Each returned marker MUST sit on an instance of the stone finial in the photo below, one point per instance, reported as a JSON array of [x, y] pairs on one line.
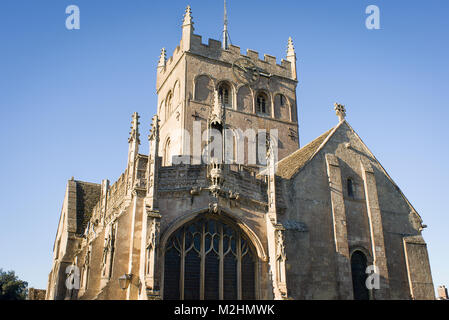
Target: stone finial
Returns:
[[134, 135], [188, 19], [187, 30], [162, 59], [290, 48], [154, 132], [340, 111], [291, 56]]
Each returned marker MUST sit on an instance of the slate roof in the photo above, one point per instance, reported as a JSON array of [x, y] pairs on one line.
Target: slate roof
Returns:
[[291, 164], [87, 196]]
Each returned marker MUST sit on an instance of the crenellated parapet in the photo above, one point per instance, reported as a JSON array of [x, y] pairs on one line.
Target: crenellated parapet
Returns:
[[214, 50], [239, 179], [193, 44]]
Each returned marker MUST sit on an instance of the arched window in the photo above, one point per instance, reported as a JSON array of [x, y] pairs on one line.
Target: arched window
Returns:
[[176, 95], [203, 88], [281, 100], [244, 99], [224, 94], [350, 187], [293, 113], [262, 103], [209, 259], [168, 105], [358, 269], [167, 153]]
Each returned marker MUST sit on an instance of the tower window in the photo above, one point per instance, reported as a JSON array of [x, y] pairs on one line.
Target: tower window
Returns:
[[223, 93], [350, 187], [262, 103]]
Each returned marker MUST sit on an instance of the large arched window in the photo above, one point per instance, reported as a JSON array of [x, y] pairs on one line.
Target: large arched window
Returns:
[[358, 269], [209, 259]]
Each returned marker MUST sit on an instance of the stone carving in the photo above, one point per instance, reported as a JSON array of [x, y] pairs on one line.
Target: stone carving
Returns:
[[195, 191], [216, 177], [153, 232], [216, 116], [280, 247], [213, 208], [152, 244], [234, 195], [340, 111], [280, 261]]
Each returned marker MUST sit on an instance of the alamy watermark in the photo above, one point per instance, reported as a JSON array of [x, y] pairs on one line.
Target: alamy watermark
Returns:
[[373, 279], [228, 146], [73, 277], [372, 22], [72, 22]]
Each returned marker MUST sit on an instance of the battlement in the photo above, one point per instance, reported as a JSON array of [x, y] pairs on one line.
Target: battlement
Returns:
[[118, 186], [213, 50], [115, 194]]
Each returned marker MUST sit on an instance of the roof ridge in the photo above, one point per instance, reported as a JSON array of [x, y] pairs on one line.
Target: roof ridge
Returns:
[[290, 165]]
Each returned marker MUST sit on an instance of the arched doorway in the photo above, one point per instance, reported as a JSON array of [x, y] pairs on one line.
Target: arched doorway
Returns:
[[210, 259], [358, 269]]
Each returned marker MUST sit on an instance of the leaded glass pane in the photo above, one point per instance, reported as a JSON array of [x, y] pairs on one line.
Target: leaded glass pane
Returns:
[[172, 273], [211, 277], [192, 276], [248, 283]]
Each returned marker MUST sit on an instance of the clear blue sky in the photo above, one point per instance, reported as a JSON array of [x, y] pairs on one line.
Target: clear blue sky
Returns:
[[66, 97]]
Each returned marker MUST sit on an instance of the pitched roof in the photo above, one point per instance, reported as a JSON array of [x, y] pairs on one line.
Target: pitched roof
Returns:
[[87, 197], [291, 164]]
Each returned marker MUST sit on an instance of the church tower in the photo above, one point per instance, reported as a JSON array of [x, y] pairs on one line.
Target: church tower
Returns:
[[202, 82]]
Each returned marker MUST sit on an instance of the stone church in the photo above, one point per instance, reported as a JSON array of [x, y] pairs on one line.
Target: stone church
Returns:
[[185, 221]]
